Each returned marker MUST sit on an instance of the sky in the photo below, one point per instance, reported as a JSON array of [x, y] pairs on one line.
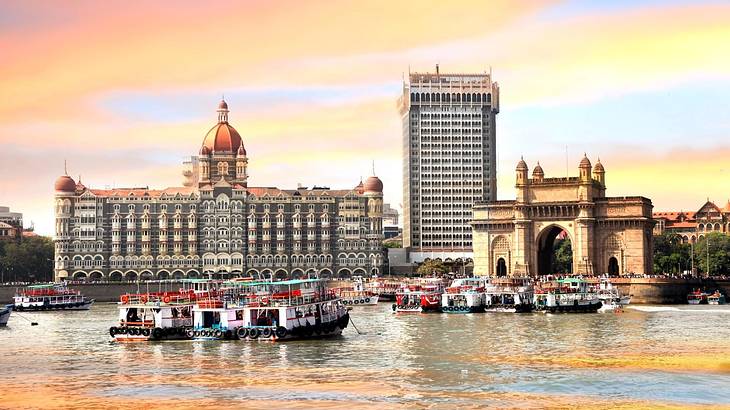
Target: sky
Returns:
[[124, 91]]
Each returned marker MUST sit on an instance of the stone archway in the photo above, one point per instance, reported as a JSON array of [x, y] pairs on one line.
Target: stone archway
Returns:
[[501, 268], [547, 257]]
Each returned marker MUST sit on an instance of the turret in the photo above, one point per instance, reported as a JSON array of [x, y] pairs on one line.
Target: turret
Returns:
[[537, 174], [585, 169], [599, 174], [522, 180]]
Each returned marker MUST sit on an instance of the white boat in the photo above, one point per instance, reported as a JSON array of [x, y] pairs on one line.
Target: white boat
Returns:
[[357, 295], [153, 316], [716, 298], [52, 296], [697, 297], [571, 295], [611, 298], [509, 295], [5, 314], [464, 295], [276, 311]]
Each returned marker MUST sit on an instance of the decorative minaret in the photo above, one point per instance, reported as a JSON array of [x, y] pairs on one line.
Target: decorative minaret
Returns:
[[522, 180], [65, 195], [242, 166]]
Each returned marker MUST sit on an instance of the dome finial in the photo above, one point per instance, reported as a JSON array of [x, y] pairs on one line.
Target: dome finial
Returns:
[[65, 170], [223, 111]]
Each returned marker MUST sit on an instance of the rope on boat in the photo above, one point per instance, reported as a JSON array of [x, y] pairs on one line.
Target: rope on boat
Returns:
[[353, 325]]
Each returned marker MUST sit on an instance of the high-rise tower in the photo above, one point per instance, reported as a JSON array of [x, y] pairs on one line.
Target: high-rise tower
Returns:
[[449, 159]]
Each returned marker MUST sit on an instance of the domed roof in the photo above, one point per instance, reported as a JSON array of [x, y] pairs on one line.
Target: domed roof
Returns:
[[538, 171], [65, 183], [598, 167], [522, 165], [727, 207], [222, 138], [204, 150], [241, 150], [223, 105], [373, 184], [360, 189], [585, 162]]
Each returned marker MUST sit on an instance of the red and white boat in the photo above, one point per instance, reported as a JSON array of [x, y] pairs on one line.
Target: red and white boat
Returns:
[[52, 296], [357, 295], [423, 297]]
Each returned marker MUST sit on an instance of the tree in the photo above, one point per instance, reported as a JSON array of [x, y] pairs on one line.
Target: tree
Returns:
[[717, 245], [432, 267], [29, 260], [671, 255], [563, 260]]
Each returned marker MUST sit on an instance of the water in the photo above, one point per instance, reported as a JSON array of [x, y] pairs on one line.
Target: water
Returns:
[[648, 356]]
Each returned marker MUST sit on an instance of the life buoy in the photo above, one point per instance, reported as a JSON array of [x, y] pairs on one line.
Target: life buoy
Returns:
[[166, 299], [266, 333], [357, 301], [241, 332], [122, 330], [145, 332], [190, 333], [143, 299], [394, 307], [227, 334], [112, 331], [280, 332], [157, 333], [367, 300], [218, 334], [253, 333], [125, 299]]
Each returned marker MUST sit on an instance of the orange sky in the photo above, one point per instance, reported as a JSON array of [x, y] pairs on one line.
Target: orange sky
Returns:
[[125, 91]]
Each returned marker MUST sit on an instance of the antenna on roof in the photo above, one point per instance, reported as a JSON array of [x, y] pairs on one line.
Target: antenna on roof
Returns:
[[65, 170], [373, 167]]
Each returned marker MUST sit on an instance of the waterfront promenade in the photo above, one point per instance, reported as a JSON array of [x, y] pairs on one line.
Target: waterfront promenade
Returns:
[[644, 290]]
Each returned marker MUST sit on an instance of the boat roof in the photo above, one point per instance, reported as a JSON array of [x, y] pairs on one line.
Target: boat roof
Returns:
[[44, 285]]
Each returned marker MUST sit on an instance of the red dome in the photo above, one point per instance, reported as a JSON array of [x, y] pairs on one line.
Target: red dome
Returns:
[[223, 105], [360, 189], [65, 183], [373, 184], [204, 151], [242, 150], [222, 138]]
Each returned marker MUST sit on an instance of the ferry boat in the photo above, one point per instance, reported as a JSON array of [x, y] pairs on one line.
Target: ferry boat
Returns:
[[421, 297], [509, 295], [384, 288], [697, 297], [716, 298], [464, 295], [571, 295], [357, 295], [611, 298], [286, 310], [154, 316], [5, 314], [52, 296]]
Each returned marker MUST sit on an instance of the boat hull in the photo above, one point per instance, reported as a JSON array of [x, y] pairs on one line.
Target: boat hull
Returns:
[[462, 309], [5, 315], [521, 308], [579, 308], [364, 300], [139, 334], [407, 308], [85, 305]]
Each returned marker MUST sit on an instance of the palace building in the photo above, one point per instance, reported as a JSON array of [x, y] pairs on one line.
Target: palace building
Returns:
[[216, 225], [689, 227]]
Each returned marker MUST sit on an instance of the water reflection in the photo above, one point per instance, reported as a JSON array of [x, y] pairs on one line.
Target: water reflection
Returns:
[[646, 357]]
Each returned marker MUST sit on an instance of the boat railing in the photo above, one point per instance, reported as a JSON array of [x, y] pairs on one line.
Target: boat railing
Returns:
[[157, 298]]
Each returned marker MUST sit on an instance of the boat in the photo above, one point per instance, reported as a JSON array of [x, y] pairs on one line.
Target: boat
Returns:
[[422, 297], [611, 298], [697, 297], [270, 310], [51, 296], [5, 314], [384, 288], [716, 298], [357, 294], [509, 295], [570, 295], [464, 295], [154, 316]]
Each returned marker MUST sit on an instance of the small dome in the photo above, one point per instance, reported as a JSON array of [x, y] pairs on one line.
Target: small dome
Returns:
[[65, 183], [537, 172], [222, 138], [242, 150], [522, 165], [80, 185], [360, 189], [373, 184], [598, 167], [727, 207], [204, 151], [223, 105], [585, 162]]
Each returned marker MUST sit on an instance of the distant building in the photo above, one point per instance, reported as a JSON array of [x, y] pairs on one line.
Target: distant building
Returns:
[[11, 218], [390, 216], [449, 160], [216, 224], [11, 224], [691, 226], [8, 232]]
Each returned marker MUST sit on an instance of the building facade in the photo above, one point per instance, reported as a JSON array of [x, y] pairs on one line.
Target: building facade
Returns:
[[216, 225], [449, 160], [608, 234], [11, 224], [689, 227]]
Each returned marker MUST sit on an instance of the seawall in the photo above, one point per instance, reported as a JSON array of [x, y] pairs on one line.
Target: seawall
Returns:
[[643, 290]]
